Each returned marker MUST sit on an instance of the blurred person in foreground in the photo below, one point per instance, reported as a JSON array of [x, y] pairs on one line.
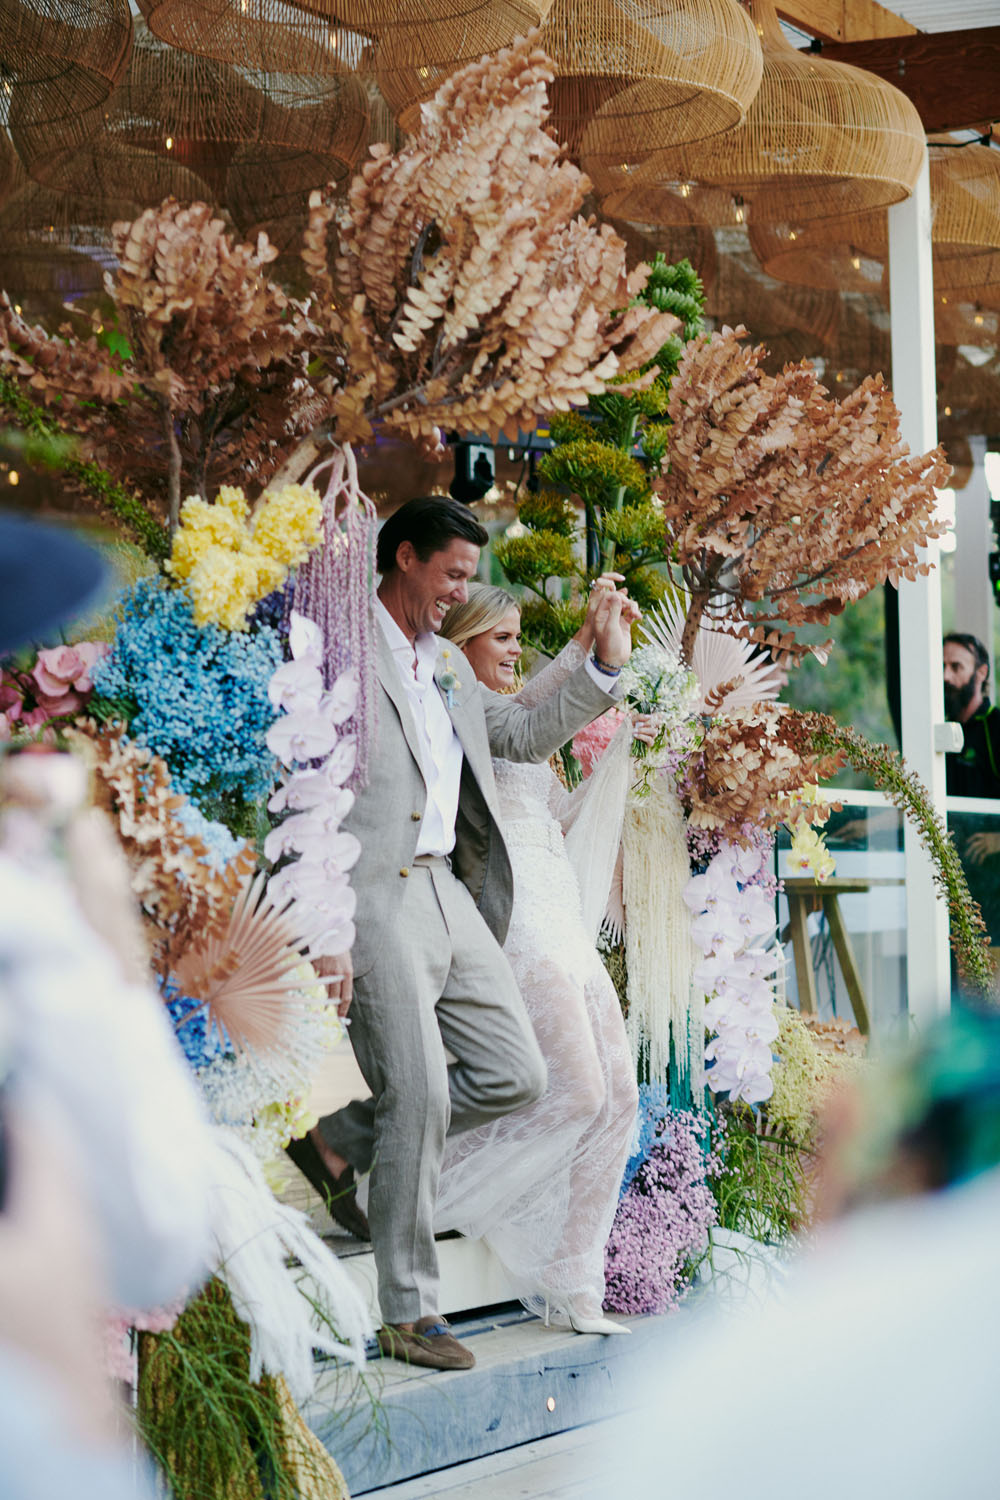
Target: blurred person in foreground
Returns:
[[871, 1370], [104, 1198]]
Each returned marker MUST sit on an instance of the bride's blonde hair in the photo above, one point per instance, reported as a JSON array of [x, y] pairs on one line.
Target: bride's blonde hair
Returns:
[[482, 611]]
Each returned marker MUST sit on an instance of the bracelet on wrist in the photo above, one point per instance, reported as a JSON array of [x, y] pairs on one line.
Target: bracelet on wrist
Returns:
[[606, 667]]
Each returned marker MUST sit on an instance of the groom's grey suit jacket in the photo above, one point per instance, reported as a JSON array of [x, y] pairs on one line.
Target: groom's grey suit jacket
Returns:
[[387, 814]]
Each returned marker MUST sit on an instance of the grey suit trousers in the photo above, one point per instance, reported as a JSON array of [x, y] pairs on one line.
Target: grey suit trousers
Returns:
[[440, 980]]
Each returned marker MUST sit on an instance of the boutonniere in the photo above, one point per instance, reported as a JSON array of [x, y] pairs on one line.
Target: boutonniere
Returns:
[[447, 681]]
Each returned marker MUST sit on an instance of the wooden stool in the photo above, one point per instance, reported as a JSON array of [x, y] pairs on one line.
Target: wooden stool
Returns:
[[805, 895]]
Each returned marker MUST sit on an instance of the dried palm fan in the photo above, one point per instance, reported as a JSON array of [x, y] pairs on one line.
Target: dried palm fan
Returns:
[[732, 674], [245, 971], [171, 127], [418, 44], [263, 36], [824, 137], [59, 62]]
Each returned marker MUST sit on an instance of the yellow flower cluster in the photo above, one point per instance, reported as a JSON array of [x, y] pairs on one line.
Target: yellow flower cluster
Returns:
[[805, 1075], [229, 560], [808, 853]]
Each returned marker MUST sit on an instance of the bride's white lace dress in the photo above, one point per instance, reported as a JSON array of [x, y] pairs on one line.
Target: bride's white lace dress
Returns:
[[541, 1185]]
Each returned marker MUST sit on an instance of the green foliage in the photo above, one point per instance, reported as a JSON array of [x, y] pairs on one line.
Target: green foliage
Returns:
[[210, 1430], [548, 624], [46, 446], [676, 289], [636, 530], [529, 560], [763, 1188], [589, 464], [595, 458], [548, 511]]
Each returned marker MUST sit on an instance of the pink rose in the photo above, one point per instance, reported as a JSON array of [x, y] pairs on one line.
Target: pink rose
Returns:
[[61, 667], [58, 707], [590, 743], [11, 699]]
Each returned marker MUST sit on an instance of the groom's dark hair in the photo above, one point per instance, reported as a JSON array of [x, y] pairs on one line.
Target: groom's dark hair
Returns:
[[429, 524]]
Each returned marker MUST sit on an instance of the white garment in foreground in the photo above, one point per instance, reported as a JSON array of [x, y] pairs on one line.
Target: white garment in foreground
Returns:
[[872, 1374], [95, 1056], [541, 1185]]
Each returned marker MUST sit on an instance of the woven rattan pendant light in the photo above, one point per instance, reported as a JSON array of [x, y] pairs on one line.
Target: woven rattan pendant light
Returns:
[[634, 77], [263, 36], [59, 62], [419, 43], [11, 170], [170, 128], [54, 247], [822, 137], [850, 251]]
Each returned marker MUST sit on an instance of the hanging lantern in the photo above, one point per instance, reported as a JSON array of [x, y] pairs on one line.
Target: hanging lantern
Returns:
[[262, 36], [58, 67], [822, 137], [418, 44]]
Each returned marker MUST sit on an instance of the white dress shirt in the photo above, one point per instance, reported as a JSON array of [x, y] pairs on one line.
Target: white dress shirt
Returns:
[[440, 747]]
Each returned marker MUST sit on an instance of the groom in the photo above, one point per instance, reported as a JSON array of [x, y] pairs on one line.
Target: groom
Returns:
[[434, 893]]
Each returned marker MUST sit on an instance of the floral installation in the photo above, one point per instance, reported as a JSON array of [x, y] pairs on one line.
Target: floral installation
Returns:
[[808, 853], [229, 559], [731, 914], [49, 692], [666, 1211], [590, 742], [196, 695], [313, 797], [655, 681]]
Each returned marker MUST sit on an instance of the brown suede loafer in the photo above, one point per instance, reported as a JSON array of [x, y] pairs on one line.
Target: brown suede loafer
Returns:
[[430, 1342], [339, 1194]]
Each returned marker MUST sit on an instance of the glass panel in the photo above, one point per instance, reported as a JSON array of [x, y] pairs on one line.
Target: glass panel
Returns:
[[867, 894]]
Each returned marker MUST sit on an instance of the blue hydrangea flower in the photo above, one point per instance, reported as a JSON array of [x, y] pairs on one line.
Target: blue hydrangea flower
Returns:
[[200, 691], [200, 1039], [654, 1108], [222, 846]]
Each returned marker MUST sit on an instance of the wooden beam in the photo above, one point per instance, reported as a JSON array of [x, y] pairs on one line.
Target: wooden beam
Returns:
[[953, 77], [844, 20]]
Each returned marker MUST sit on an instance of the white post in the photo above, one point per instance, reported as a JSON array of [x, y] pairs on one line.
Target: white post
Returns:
[[914, 386]]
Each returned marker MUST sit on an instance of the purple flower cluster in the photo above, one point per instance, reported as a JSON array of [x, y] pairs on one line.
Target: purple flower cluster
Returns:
[[662, 1221], [705, 843]]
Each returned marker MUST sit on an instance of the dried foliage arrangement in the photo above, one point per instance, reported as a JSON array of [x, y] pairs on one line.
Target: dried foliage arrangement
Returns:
[[466, 291], [748, 768], [182, 893], [458, 287], [782, 505], [213, 377]]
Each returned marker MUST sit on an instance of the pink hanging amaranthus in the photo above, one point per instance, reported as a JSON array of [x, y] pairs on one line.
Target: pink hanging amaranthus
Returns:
[[335, 588]]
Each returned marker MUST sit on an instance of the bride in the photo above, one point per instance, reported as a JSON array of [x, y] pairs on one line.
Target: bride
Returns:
[[541, 1185]]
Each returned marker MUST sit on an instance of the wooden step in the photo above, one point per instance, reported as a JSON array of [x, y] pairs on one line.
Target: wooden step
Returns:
[[393, 1422]]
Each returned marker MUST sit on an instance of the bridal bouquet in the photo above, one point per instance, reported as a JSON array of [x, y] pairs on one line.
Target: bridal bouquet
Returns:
[[656, 681]]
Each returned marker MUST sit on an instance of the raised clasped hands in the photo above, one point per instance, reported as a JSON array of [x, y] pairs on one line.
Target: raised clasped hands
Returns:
[[609, 620]]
